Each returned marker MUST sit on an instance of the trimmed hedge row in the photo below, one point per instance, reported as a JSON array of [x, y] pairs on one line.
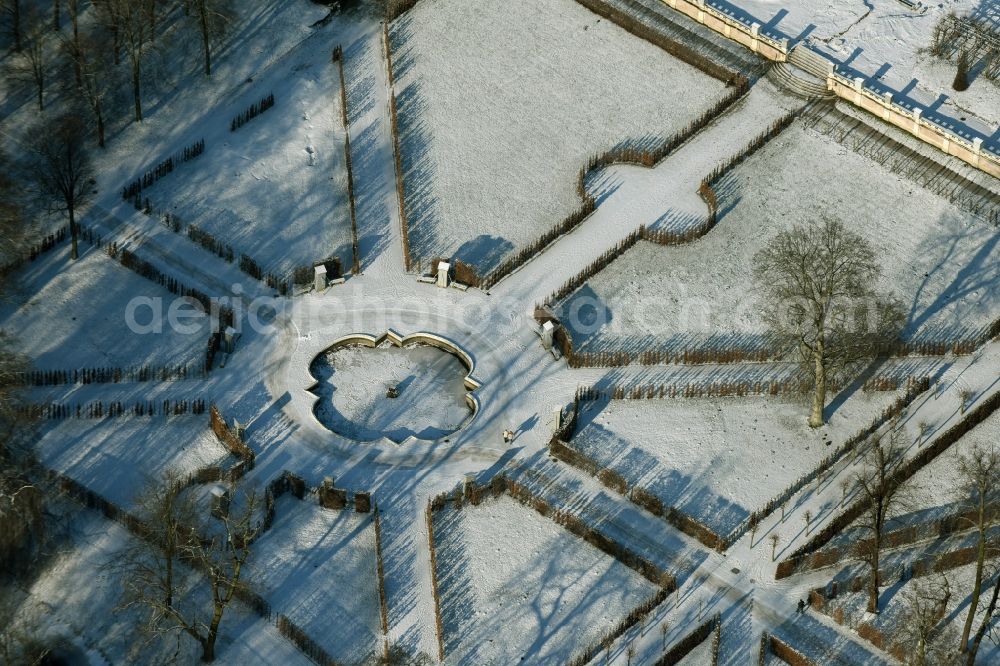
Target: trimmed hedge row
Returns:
[[790, 565], [687, 644]]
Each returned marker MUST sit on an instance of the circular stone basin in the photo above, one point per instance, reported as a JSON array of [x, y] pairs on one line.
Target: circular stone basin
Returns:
[[355, 382]]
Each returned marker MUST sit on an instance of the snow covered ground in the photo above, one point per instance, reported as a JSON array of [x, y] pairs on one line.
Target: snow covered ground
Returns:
[[502, 103], [275, 189], [317, 567], [117, 458], [896, 608], [717, 460], [517, 587], [353, 386], [887, 41], [75, 601], [943, 263], [513, 584], [65, 313]]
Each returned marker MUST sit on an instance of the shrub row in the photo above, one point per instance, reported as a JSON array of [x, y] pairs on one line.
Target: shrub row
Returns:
[[144, 373], [206, 240], [903, 472], [251, 112], [687, 644], [677, 49], [645, 157], [133, 191], [228, 438], [98, 410], [787, 653], [914, 388], [640, 496], [380, 571], [397, 158], [938, 528], [147, 270], [522, 256], [927, 172], [635, 616], [651, 156], [303, 642], [338, 57], [502, 483], [439, 626]]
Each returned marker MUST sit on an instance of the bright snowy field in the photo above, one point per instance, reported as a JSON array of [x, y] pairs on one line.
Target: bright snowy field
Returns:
[[303, 566], [75, 601], [887, 40], [259, 189], [937, 489], [942, 263], [502, 103], [514, 585], [118, 458], [70, 315], [718, 460]]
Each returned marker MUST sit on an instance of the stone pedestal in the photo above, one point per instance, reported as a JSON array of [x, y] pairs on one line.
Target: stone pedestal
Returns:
[[442, 277], [320, 278], [548, 330]]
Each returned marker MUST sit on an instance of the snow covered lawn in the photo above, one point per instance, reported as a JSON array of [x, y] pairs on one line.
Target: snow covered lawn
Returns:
[[275, 189], [75, 602], [317, 567], [717, 460], [502, 103], [515, 586], [940, 261], [354, 381], [117, 457], [895, 606], [71, 315]]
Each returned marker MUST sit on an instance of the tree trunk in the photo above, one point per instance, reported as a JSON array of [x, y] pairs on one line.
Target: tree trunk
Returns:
[[873, 582], [136, 91], [100, 124], [116, 45], [984, 626], [41, 90], [73, 253], [819, 393], [208, 647], [73, 11], [980, 559], [55, 15], [206, 42], [15, 20]]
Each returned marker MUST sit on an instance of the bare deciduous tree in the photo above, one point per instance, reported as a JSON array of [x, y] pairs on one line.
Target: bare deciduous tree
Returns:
[[926, 603], [62, 167], [31, 62], [986, 623], [130, 22], [980, 474], [93, 64], [12, 225], [819, 282], [884, 495], [212, 17], [11, 10], [217, 550]]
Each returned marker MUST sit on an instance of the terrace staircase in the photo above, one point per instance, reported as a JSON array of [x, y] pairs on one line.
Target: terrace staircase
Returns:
[[798, 82], [804, 74]]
